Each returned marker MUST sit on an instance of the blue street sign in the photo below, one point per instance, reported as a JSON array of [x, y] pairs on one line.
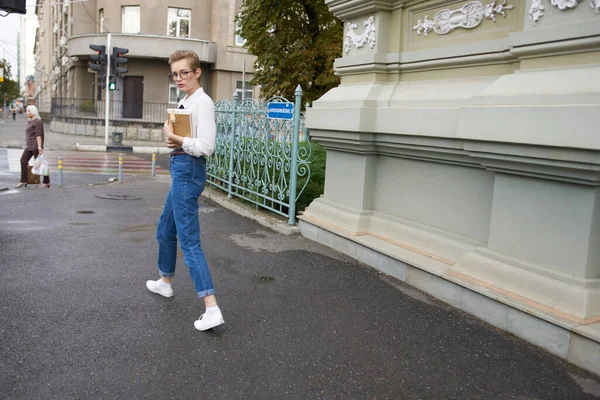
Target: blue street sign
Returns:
[[280, 110]]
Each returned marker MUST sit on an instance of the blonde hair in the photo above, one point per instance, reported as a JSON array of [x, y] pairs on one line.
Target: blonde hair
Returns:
[[190, 56], [34, 112]]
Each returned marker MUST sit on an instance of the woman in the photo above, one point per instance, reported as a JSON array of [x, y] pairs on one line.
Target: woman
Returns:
[[179, 219], [34, 145]]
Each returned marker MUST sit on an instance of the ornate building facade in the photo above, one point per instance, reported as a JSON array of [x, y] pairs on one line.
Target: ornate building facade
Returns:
[[464, 159]]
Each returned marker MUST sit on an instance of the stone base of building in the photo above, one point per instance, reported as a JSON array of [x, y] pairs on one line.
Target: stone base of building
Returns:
[[576, 343], [150, 132]]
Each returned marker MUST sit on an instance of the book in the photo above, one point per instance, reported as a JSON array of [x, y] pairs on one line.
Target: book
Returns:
[[181, 120]]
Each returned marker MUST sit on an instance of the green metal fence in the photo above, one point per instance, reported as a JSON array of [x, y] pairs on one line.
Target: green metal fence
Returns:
[[259, 158]]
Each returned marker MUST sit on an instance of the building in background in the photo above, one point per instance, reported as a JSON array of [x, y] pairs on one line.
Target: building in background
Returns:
[[151, 30], [26, 62]]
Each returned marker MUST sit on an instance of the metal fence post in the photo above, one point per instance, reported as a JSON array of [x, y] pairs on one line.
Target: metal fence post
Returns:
[[121, 168], [294, 161], [153, 164], [231, 149], [60, 172]]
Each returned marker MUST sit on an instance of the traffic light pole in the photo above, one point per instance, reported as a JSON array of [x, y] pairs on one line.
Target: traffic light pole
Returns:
[[106, 90], [101, 64]]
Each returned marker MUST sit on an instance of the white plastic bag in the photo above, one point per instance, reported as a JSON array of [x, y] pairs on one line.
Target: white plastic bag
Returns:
[[41, 166], [37, 162], [44, 167]]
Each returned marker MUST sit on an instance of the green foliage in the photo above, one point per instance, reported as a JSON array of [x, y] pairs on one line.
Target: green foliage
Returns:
[[295, 42], [88, 106], [316, 183], [316, 179], [8, 88]]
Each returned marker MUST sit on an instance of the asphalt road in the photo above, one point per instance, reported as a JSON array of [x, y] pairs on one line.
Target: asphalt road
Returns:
[[302, 321]]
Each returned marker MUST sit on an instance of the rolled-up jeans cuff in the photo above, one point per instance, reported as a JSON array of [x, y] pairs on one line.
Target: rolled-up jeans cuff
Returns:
[[166, 274], [205, 293]]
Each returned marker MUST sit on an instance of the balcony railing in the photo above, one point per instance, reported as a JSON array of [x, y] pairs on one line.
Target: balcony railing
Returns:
[[126, 111]]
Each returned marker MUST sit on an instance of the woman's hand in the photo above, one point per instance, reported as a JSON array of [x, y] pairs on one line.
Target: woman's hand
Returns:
[[168, 127], [172, 140], [40, 150]]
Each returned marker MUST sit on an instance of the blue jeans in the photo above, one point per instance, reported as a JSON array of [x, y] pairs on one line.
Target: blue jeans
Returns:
[[179, 219]]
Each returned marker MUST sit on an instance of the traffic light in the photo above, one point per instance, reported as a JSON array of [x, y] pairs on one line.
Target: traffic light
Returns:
[[102, 81], [13, 6], [117, 60], [98, 63], [112, 85]]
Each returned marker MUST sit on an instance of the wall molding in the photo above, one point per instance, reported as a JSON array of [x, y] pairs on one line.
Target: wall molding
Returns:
[[514, 159], [514, 50], [537, 8], [469, 16], [367, 37]]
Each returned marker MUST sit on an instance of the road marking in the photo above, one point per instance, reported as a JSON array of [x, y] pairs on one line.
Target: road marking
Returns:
[[93, 163]]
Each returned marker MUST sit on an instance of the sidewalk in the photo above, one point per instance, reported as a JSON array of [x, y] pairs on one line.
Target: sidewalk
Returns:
[[13, 136], [302, 321]]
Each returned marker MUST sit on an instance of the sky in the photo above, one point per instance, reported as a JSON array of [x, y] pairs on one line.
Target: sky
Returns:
[[9, 29]]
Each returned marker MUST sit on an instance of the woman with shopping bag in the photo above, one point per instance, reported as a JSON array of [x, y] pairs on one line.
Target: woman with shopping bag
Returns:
[[34, 139]]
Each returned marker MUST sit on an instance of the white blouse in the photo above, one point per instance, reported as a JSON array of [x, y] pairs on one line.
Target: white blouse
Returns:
[[202, 142]]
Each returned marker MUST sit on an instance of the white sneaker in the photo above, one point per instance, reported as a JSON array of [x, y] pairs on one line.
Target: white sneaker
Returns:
[[159, 287], [208, 321]]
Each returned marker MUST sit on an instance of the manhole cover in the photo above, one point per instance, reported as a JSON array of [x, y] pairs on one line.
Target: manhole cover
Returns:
[[117, 197]]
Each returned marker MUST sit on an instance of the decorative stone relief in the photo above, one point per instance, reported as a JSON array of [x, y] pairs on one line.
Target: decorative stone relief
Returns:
[[468, 16], [564, 4], [536, 11], [368, 36]]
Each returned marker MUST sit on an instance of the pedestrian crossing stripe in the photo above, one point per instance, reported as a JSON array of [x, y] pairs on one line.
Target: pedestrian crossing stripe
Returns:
[[94, 163]]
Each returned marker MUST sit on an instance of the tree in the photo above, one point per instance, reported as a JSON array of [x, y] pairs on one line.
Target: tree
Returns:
[[295, 42], [8, 88]]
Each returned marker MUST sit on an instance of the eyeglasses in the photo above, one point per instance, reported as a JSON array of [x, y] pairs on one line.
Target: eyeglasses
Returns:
[[182, 75]]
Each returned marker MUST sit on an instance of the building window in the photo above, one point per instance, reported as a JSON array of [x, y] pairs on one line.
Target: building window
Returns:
[[130, 19], [246, 93], [239, 41], [174, 93], [179, 22], [101, 19]]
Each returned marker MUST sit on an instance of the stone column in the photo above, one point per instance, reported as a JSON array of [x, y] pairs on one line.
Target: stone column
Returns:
[[463, 141]]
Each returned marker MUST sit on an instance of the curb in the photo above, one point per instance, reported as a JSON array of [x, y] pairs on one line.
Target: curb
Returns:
[[278, 224], [90, 147], [150, 150], [133, 149]]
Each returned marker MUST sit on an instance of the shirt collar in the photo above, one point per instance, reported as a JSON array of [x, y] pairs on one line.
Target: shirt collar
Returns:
[[189, 99]]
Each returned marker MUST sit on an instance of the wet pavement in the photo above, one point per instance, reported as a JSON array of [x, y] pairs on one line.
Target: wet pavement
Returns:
[[302, 320]]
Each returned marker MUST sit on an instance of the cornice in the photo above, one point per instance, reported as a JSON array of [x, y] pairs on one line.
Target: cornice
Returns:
[[426, 65], [394, 62], [345, 9], [574, 166]]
